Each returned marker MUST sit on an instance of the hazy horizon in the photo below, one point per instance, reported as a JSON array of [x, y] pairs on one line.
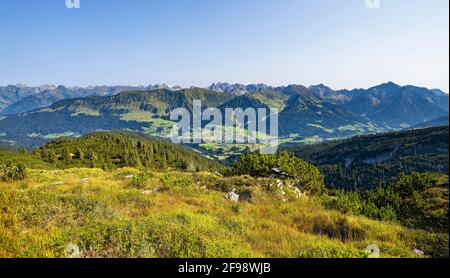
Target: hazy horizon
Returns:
[[185, 87], [342, 44]]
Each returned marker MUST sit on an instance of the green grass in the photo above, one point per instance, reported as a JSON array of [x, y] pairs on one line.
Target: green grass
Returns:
[[157, 125], [25, 158], [85, 111], [55, 135], [358, 128], [311, 140], [270, 99], [329, 130], [188, 217]]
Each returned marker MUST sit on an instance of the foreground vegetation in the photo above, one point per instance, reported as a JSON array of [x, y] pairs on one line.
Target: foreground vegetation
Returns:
[[106, 214], [82, 198], [418, 200]]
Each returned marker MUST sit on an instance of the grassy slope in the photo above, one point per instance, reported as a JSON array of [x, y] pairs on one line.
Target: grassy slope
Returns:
[[107, 218], [25, 158]]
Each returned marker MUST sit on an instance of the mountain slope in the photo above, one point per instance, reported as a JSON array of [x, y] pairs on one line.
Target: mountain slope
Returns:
[[139, 111], [10, 94], [392, 106], [159, 102], [305, 114], [20, 99], [441, 121], [310, 115], [368, 161], [388, 105]]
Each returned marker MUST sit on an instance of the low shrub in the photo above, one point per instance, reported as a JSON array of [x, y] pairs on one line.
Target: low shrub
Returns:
[[138, 181], [340, 229], [434, 245], [11, 172], [343, 201], [134, 199], [284, 165], [169, 180]]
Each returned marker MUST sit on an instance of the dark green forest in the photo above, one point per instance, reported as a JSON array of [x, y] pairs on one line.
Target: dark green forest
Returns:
[[111, 150], [365, 162]]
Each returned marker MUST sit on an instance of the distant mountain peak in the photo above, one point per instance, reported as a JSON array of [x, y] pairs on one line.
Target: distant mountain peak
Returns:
[[21, 85], [320, 86], [387, 86], [390, 83], [44, 87]]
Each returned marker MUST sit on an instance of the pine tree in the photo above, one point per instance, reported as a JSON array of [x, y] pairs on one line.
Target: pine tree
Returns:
[[78, 154], [66, 155]]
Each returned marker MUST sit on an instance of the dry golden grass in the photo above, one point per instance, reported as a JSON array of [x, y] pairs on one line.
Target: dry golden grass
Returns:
[[106, 217]]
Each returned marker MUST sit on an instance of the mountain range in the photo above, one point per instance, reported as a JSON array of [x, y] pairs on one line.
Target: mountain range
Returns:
[[21, 98], [34, 115]]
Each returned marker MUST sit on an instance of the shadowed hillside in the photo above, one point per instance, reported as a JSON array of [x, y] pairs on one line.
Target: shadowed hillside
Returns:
[[368, 161]]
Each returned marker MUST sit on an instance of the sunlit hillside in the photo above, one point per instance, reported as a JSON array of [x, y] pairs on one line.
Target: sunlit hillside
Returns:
[[116, 214]]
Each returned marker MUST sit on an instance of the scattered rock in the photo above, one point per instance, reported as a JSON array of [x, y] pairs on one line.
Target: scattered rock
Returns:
[[419, 252], [232, 196], [298, 193], [373, 251], [279, 172], [279, 184], [129, 176], [158, 189], [73, 251], [85, 180]]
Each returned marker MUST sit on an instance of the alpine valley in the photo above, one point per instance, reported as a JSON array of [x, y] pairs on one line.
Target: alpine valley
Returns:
[[35, 115], [90, 173]]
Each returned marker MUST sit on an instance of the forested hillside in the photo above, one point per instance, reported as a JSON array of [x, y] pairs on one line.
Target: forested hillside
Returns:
[[368, 161], [111, 150]]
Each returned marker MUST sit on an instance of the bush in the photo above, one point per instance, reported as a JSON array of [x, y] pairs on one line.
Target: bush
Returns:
[[343, 201], [228, 184], [306, 176], [434, 245], [169, 180], [416, 200], [134, 199], [139, 181], [12, 172]]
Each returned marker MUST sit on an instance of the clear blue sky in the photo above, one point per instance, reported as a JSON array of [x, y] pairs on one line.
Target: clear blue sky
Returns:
[[341, 43]]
